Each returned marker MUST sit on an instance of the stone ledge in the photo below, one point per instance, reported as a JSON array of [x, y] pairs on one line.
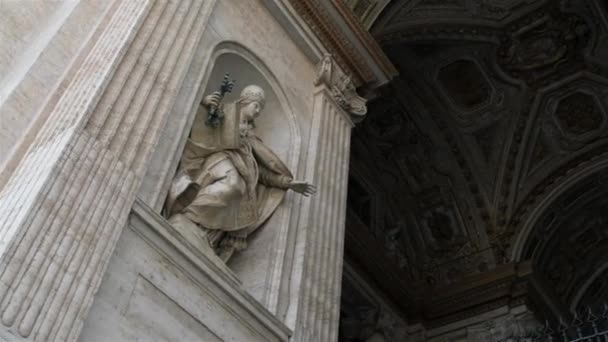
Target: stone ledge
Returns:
[[205, 268]]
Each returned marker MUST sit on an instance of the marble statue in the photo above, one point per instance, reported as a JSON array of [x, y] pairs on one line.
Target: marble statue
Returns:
[[228, 182]]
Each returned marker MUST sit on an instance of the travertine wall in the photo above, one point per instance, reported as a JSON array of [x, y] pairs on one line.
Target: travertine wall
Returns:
[[158, 287], [38, 42], [112, 129], [66, 203]]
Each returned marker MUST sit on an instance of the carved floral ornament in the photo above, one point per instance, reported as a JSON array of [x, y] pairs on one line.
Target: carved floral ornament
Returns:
[[342, 88]]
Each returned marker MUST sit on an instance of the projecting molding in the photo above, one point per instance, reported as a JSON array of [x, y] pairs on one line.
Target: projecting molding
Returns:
[[341, 34]]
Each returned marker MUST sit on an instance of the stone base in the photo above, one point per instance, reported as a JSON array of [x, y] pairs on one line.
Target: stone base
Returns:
[[160, 286], [193, 234]]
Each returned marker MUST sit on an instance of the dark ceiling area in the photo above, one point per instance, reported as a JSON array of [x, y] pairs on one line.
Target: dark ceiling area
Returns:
[[484, 162]]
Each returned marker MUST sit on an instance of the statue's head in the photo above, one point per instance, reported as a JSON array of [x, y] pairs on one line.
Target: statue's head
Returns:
[[251, 102]]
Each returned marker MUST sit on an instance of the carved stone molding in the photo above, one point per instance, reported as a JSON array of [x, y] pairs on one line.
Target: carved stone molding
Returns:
[[511, 97], [366, 11], [354, 49], [342, 88], [366, 39], [448, 19]]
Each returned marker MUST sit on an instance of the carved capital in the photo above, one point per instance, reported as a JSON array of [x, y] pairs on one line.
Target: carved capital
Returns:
[[342, 88]]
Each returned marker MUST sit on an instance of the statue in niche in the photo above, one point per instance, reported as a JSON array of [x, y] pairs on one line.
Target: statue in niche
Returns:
[[228, 182]]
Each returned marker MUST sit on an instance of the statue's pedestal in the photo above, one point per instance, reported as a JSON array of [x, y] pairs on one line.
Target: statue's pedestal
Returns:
[[159, 286]]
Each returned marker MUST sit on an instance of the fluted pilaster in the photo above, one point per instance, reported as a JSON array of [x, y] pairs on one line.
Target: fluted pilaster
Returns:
[[65, 205], [319, 304]]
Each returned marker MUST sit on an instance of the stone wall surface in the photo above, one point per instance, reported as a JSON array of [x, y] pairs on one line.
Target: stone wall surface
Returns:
[[293, 264], [247, 30], [110, 126], [160, 288], [65, 204], [39, 40]]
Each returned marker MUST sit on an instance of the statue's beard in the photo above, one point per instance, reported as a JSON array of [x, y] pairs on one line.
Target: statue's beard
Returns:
[[246, 127]]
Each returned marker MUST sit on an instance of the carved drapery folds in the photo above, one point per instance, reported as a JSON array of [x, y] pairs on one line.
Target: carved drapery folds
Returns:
[[342, 88]]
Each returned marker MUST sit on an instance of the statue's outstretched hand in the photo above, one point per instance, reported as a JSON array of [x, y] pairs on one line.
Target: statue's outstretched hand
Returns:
[[212, 100], [303, 188]]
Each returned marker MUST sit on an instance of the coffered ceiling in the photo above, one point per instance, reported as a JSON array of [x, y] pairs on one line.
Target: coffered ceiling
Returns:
[[490, 148]]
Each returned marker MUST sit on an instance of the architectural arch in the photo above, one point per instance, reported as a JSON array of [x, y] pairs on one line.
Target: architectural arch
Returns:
[[228, 54], [565, 186], [260, 267], [566, 242]]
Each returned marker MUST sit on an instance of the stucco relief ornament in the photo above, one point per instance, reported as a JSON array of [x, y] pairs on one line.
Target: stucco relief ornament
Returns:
[[342, 88], [228, 182]]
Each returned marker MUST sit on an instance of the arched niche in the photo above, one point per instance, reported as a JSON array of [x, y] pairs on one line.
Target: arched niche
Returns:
[[260, 266], [276, 125]]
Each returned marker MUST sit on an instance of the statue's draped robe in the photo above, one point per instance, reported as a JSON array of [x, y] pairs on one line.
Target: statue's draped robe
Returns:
[[228, 219]]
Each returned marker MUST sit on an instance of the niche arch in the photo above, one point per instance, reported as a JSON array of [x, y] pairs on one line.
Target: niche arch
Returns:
[[260, 267], [246, 68]]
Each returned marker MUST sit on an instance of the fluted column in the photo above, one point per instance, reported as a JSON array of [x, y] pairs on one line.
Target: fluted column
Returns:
[[318, 305], [65, 205]]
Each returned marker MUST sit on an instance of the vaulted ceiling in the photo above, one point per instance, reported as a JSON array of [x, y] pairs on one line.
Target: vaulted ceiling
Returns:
[[489, 149]]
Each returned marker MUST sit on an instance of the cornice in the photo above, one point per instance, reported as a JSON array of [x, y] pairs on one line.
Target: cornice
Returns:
[[353, 48], [366, 38]]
